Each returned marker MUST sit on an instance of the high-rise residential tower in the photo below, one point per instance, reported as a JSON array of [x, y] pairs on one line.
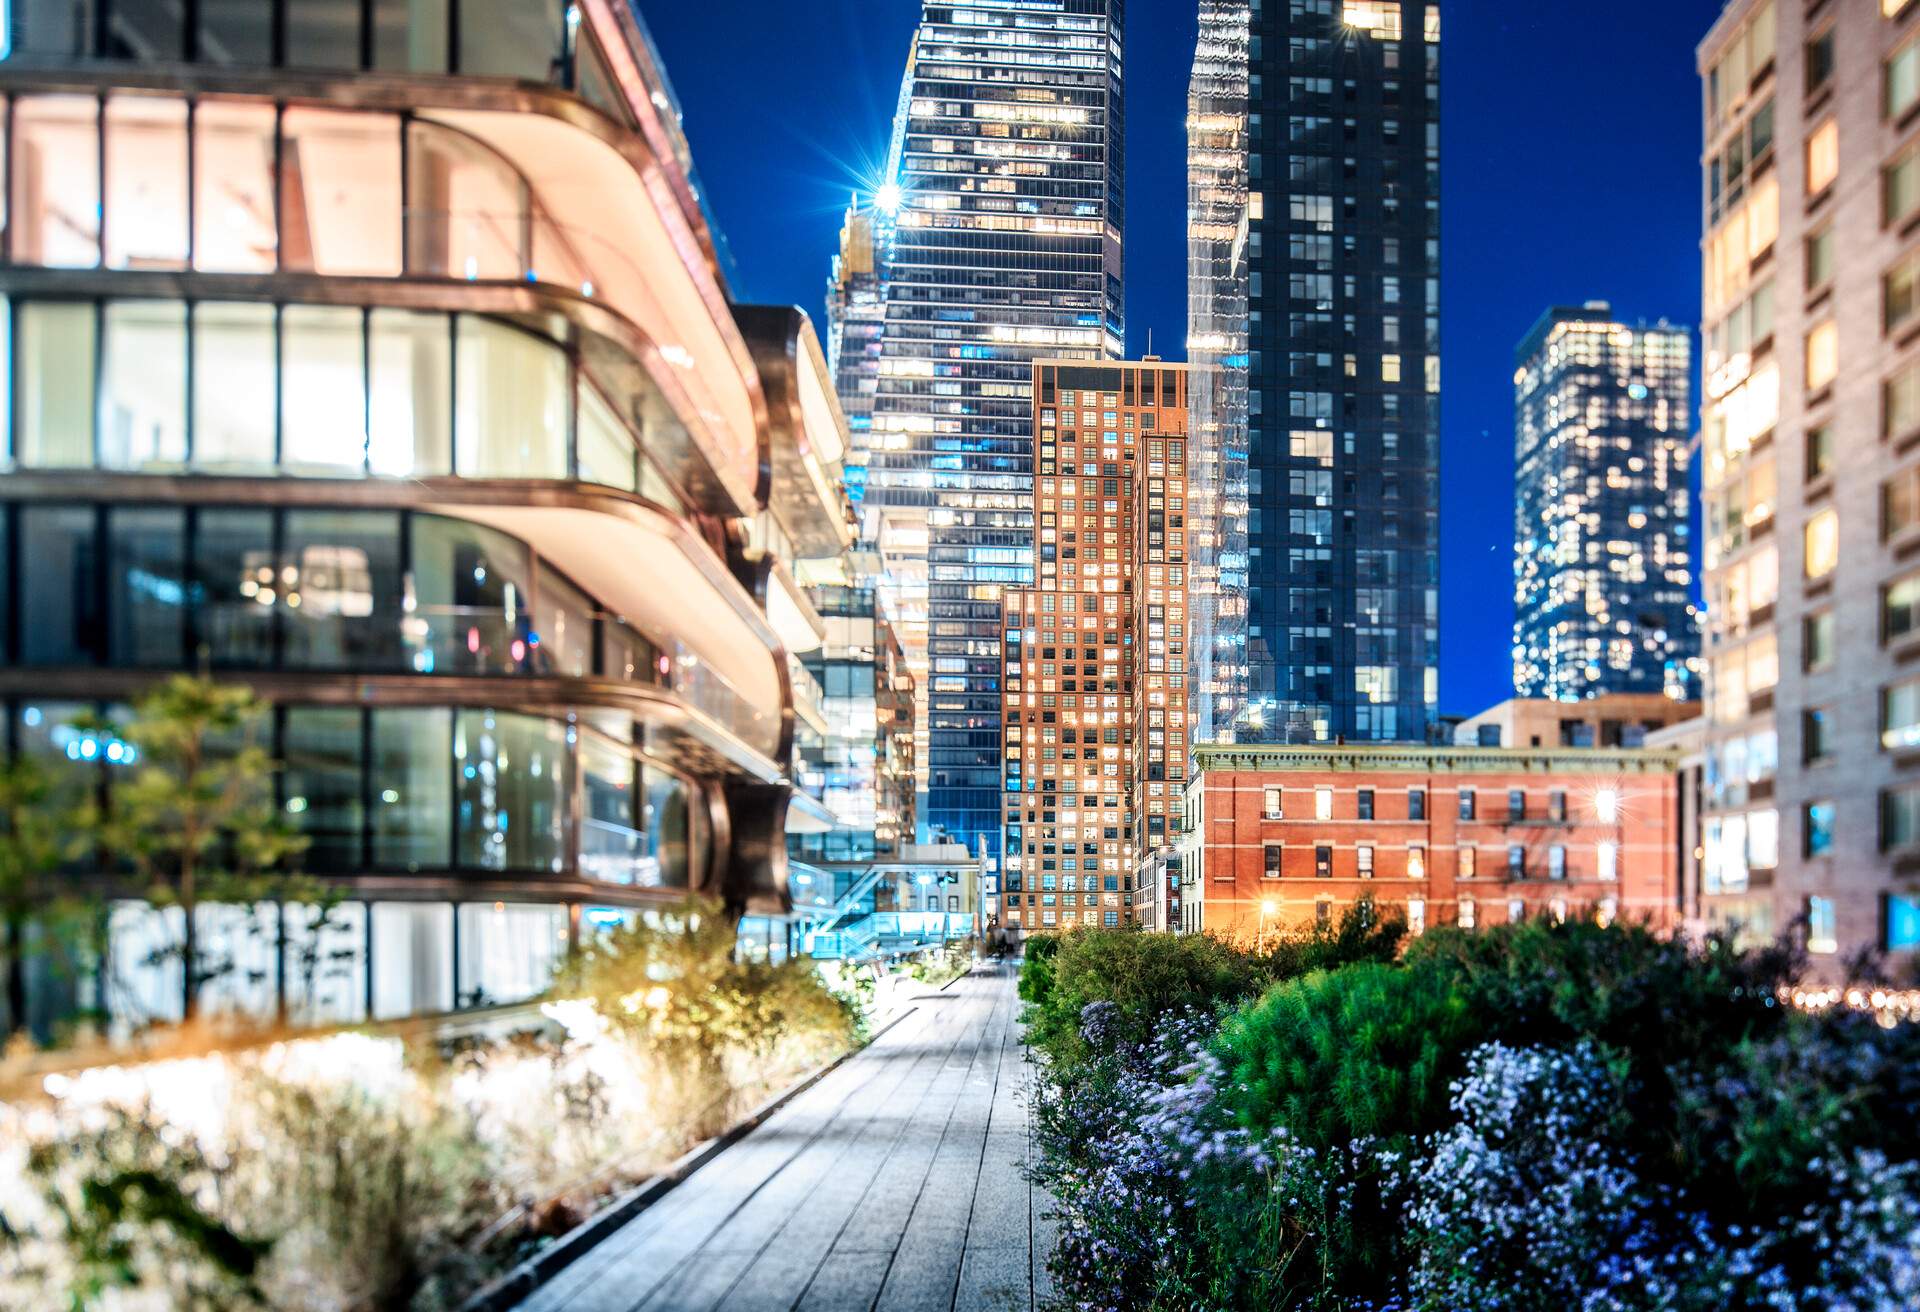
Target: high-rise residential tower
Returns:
[[1337, 248], [856, 313], [1006, 246], [1602, 555], [1095, 652], [1811, 476]]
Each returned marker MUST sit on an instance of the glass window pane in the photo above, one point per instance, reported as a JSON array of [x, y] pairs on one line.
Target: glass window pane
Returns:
[[563, 623], [340, 192], [412, 789], [668, 824], [410, 36], [412, 958], [510, 38], [143, 403], [57, 27], [326, 966], [323, 390], [606, 449], [508, 950], [60, 614], [470, 591], [233, 386], [340, 589], [56, 181], [55, 424], [515, 774], [323, 34], [320, 755], [233, 185], [146, 183], [147, 585], [412, 360], [234, 587], [236, 32], [510, 414], [611, 848], [466, 208]]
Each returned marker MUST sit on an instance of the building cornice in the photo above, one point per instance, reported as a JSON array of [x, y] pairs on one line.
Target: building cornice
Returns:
[[1416, 758]]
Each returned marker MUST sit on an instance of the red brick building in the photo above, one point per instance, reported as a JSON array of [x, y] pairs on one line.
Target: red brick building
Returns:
[[1281, 835]]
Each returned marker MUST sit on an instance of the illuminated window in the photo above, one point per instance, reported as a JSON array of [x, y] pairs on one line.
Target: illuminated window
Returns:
[[1823, 157], [1821, 540], [1381, 18], [1894, 8], [1270, 801], [1901, 88], [1364, 860], [1416, 915], [1467, 860], [1823, 355], [1323, 804], [1416, 861], [1608, 861], [1900, 186], [1819, 828], [1900, 715], [1606, 805], [1821, 930], [1389, 368], [1466, 913]]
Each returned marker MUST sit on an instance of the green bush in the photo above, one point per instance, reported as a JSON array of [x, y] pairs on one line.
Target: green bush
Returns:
[[1368, 1049], [1146, 977]]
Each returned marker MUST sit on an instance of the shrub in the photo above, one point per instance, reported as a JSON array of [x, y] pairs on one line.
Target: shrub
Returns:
[[1365, 1050]]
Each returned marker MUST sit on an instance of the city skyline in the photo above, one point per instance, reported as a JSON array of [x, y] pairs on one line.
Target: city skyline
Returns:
[[1637, 246]]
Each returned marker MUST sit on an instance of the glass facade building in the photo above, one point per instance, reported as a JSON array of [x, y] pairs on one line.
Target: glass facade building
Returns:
[[1336, 251], [1602, 550], [409, 392], [1005, 246]]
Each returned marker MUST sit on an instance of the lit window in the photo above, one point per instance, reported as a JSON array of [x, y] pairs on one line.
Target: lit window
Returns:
[[1468, 859], [1823, 157], [1271, 804], [1606, 805], [1819, 828], [1516, 910], [1821, 539], [1607, 912], [1822, 935], [1902, 86], [1900, 715], [1556, 862], [1389, 368], [1364, 855], [1609, 861], [1902, 922], [1823, 355], [1466, 913], [1323, 804], [1763, 840], [1416, 915], [1416, 861], [1381, 18]]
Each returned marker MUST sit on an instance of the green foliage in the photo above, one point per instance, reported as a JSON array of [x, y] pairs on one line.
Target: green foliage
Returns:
[[195, 818], [1149, 977], [1365, 1050], [39, 830], [1145, 976], [679, 989]]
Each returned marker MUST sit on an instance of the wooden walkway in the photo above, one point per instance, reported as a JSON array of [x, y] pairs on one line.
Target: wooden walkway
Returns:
[[892, 1185]]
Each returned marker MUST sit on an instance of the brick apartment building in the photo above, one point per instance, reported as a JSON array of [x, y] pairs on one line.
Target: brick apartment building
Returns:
[[1094, 698], [1282, 835]]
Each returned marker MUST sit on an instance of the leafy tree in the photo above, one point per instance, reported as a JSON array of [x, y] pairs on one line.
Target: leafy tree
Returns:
[[195, 816], [38, 832]]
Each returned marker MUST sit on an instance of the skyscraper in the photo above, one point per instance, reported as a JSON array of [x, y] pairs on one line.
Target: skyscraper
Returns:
[[1809, 431], [1005, 246], [1095, 673], [1339, 234], [856, 312], [1602, 556]]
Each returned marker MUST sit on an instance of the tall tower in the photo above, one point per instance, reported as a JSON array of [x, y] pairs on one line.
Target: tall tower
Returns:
[[1341, 236], [1602, 557], [1005, 246], [856, 313]]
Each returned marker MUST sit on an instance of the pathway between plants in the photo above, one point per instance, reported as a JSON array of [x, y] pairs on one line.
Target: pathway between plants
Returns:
[[892, 1185]]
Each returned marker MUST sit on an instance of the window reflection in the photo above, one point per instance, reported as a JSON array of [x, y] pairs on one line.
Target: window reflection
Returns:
[[143, 400], [412, 958], [464, 207], [233, 386], [340, 192], [510, 412], [340, 590], [411, 355], [320, 773], [515, 781], [412, 789], [147, 586], [323, 389], [508, 950], [60, 618], [234, 584]]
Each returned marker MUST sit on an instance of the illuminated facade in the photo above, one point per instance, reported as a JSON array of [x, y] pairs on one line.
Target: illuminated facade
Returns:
[[1602, 553], [1340, 237], [1095, 658], [856, 313], [1284, 836], [1811, 443], [408, 391], [1006, 246], [1217, 286]]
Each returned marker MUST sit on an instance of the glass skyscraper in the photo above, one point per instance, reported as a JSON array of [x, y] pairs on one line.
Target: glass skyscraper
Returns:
[[1336, 246], [1603, 561], [1004, 246]]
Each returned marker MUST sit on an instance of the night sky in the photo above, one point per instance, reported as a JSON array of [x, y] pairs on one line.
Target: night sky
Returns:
[[1569, 158]]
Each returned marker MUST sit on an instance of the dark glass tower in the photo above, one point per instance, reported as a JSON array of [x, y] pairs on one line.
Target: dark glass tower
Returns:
[[1341, 230], [1602, 558], [1005, 247]]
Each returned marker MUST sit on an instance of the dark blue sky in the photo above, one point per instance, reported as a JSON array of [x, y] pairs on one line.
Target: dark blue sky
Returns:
[[1570, 155]]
